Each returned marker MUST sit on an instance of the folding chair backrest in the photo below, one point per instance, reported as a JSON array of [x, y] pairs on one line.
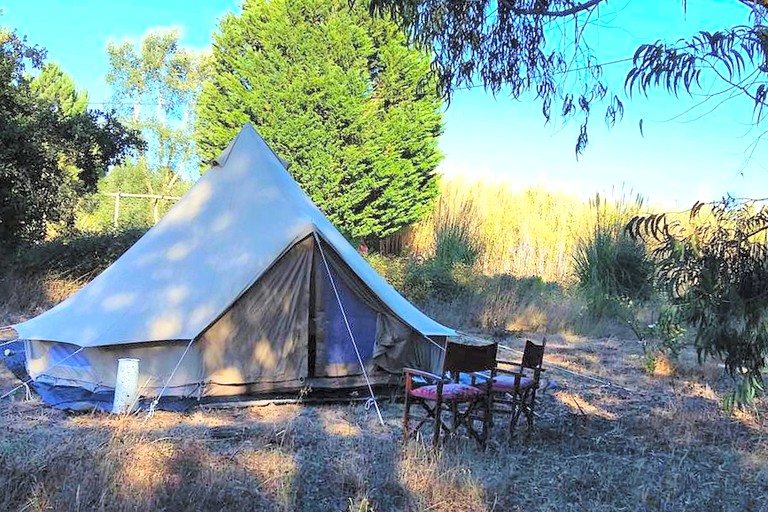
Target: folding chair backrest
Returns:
[[469, 358], [533, 355]]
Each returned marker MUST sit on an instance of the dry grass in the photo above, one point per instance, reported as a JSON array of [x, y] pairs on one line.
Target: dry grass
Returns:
[[529, 233], [610, 437], [641, 442], [25, 296]]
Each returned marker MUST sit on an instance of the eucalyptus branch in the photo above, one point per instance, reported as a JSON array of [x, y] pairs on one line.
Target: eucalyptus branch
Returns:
[[543, 11]]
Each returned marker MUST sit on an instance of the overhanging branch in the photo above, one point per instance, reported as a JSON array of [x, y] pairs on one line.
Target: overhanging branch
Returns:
[[575, 9]]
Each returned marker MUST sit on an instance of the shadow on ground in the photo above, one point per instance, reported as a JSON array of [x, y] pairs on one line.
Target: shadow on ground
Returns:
[[638, 443]]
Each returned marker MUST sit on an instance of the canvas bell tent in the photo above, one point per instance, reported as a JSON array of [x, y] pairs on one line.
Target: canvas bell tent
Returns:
[[243, 287]]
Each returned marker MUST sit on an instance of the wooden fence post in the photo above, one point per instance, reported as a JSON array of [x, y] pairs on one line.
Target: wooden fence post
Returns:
[[117, 210], [155, 206]]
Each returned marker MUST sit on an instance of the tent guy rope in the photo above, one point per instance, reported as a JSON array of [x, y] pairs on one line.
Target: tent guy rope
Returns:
[[46, 370], [8, 343], [433, 342], [349, 329], [156, 400]]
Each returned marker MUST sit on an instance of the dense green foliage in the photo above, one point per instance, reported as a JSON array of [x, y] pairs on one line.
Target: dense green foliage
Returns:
[[77, 256], [714, 269], [611, 268], [337, 94], [59, 90], [46, 153], [134, 177]]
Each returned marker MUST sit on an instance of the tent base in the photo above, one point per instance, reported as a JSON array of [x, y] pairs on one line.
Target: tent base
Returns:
[[70, 398], [315, 390], [78, 399]]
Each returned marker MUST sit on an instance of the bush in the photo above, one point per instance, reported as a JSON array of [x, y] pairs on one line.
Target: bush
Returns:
[[454, 245], [612, 270], [391, 268], [75, 256], [431, 280], [614, 266]]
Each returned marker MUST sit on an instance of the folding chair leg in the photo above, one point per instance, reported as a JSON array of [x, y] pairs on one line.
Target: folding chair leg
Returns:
[[529, 410], [487, 421], [517, 409], [438, 423], [406, 419]]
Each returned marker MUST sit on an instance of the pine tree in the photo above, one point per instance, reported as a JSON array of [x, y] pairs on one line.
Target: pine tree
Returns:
[[58, 88], [339, 95]]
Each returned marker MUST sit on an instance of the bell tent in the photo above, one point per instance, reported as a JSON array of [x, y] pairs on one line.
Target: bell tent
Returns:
[[244, 287]]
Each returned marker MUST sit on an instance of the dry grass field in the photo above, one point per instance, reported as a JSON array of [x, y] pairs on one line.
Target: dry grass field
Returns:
[[609, 437]]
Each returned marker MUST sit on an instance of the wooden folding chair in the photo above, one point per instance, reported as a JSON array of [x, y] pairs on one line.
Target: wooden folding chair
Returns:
[[465, 403], [513, 392]]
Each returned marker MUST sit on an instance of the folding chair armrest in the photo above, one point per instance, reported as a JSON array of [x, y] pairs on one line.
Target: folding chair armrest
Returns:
[[510, 363], [421, 373], [509, 372], [475, 376]]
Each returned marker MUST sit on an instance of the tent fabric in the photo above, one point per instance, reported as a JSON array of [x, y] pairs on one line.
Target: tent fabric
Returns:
[[263, 337], [336, 355], [95, 369], [232, 293], [205, 253]]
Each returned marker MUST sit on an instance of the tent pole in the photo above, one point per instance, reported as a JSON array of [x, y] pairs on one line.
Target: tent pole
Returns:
[[434, 342], [349, 329]]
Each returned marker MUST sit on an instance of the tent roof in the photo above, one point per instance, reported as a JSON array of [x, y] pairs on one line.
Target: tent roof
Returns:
[[237, 220]]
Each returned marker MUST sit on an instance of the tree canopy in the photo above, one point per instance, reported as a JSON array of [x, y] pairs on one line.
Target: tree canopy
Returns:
[[46, 148], [58, 89], [338, 94], [155, 84], [542, 48], [714, 268]]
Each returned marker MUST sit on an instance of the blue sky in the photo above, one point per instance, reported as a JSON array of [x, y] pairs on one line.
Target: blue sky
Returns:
[[677, 161]]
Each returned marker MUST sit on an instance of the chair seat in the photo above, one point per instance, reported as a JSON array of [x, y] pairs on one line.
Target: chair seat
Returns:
[[452, 392], [506, 383]]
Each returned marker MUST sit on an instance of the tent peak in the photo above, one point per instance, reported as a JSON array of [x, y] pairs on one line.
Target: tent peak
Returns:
[[248, 128]]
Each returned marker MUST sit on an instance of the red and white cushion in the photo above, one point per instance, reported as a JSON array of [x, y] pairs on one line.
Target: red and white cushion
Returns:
[[506, 383], [453, 392]]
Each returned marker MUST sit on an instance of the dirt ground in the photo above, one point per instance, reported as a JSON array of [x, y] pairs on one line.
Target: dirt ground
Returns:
[[608, 436]]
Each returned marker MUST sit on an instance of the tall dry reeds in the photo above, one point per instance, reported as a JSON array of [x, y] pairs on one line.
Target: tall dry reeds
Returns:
[[522, 233]]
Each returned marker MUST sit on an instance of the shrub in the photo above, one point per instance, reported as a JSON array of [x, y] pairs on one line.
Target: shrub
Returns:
[[431, 280], [612, 269], [454, 245], [75, 256], [392, 269]]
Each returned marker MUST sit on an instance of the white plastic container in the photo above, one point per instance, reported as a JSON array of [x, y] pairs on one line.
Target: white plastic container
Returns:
[[126, 386]]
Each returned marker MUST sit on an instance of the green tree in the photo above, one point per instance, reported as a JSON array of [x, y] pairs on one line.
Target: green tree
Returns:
[[155, 85], [714, 268], [339, 95], [41, 149], [97, 213], [57, 88], [166, 78]]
